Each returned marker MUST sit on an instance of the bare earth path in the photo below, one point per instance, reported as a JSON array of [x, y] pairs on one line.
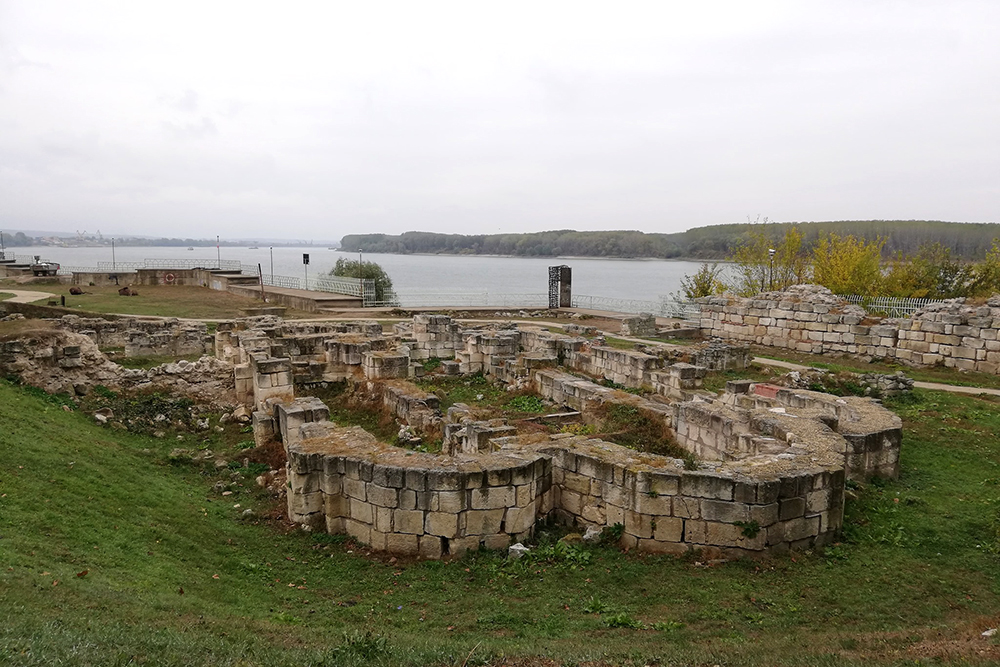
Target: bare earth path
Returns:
[[25, 296]]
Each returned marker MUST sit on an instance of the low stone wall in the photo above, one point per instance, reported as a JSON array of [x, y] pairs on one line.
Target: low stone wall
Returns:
[[872, 435], [721, 511], [105, 278], [807, 318], [435, 336], [343, 480]]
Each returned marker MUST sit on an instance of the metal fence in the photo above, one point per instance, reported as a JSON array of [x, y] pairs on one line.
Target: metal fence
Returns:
[[665, 307], [462, 299], [212, 265], [889, 306]]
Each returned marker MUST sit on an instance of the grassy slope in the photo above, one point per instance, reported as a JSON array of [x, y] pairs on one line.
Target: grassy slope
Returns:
[[919, 569], [161, 300]]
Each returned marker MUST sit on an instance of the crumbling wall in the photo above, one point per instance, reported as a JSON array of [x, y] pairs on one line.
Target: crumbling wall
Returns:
[[664, 508], [413, 504], [809, 318]]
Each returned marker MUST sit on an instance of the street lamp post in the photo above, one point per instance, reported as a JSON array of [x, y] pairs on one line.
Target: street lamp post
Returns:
[[770, 254], [360, 264], [272, 264], [218, 253], [113, 265], [3, 251]]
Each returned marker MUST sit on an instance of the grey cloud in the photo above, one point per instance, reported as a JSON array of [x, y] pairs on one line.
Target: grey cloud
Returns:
[[194, 130]]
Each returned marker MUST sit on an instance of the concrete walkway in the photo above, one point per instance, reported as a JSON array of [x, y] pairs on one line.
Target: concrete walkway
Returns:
[[25, 296]]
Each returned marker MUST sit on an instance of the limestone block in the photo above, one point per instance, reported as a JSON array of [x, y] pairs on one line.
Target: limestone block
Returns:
[[639, 525], [493, 497], [571, 502], [483, 522], [495, 542], [335, 506], [667, 529], [357, 530], [790, 508], [441, 523], [403, 545], [361, 511], [305, 503], [661, 547], [355, 488], [688, 508], [648, 503], [701, 485], [383, 519], [430, 546], [443, 480], [408, 521], [728, 535], [304, 483], [452, 501], [764, 515], [726, 512], [576, 482]]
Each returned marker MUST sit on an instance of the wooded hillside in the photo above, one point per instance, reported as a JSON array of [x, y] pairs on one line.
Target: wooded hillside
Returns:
[[966, 240]]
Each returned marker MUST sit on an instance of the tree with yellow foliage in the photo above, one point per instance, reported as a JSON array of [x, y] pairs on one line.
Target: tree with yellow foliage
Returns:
[[848, 265], [756, 270]]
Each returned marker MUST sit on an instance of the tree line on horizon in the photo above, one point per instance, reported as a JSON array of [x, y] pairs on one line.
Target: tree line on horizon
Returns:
[[965, 241]]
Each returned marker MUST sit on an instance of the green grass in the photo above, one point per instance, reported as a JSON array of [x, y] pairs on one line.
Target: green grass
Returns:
[[716, 380], [619, 343], [162, 300], [5, 295], [918, 568]]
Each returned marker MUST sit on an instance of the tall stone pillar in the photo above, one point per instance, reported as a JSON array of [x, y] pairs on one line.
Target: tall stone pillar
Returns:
[[560, 287]]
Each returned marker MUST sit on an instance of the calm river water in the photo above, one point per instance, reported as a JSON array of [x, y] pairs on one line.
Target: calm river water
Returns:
[[644, 279]]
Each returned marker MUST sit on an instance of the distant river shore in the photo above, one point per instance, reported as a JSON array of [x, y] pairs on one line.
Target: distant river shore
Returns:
[[644, 279]]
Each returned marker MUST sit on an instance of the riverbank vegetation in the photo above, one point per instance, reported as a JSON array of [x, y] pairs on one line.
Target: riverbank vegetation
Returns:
[[967, 241], [846, 265]]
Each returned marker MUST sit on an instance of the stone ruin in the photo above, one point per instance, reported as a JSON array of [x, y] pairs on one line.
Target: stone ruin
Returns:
[[65, 355], [809, 318], [766, 473]]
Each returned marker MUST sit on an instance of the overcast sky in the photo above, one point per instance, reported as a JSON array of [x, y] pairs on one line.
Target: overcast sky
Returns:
[[312, 120]]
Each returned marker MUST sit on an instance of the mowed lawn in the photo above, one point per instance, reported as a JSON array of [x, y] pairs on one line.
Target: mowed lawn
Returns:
[[112, 555], [162, 300]]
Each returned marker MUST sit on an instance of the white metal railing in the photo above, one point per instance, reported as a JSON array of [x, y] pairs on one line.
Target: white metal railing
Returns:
[[362, 288], [463, 299], [210, 264], [889, 305]]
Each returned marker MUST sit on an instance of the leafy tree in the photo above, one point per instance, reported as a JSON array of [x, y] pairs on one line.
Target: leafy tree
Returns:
[[986, 280], [848, 265], [931, 273], [756, 271], [706, 282], [351, 268]]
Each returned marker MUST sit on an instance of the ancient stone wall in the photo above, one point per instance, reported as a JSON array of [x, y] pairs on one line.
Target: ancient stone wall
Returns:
[[667, 509], [413, 504], [807, 318]]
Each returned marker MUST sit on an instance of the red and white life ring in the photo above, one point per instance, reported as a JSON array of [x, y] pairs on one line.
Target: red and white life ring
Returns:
[[169, 278]]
